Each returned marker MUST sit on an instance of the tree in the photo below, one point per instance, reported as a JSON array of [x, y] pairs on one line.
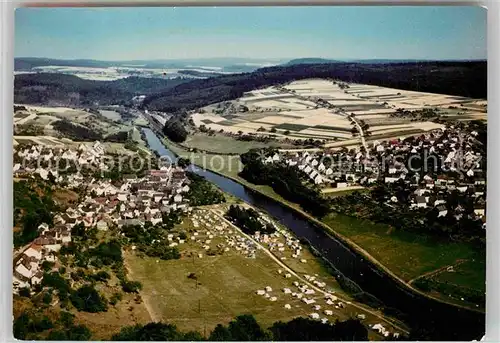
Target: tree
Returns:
[[25, 292], [47, 298], [175, 131], [131, 286], [183, 162], [220, 333], [246, 328], [149, 332], [87, 299], [21, 326], [304, 329], [79, 333]]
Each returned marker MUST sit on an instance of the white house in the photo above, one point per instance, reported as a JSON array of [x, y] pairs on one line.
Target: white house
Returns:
[[341, 184], [102, 225]]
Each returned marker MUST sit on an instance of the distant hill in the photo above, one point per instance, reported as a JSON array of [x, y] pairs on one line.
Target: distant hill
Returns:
[[28, 63], [69, 90], [316, 60], [468, 79], [239, 64], [309, 60]]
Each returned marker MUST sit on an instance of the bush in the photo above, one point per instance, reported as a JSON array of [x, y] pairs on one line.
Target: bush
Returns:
[[25, 292], [131, 286], [115, 298], [47, 266], [47, 298], [101, 276], [56, 281], [87, 299], [66, 318]]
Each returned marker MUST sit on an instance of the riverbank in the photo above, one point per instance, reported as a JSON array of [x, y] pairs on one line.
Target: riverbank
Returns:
[[228, 167]]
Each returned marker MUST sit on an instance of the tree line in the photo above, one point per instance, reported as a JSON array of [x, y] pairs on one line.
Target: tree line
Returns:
[[285, 180], [246, 328], [70, 90], [247, 219]]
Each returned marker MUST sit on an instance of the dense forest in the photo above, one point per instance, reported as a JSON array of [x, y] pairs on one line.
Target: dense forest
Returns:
[[69, 90], [467, 79], [175, 130], [201, 192]]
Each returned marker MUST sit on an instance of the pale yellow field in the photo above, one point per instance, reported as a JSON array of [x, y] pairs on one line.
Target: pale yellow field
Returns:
[[332, 134]]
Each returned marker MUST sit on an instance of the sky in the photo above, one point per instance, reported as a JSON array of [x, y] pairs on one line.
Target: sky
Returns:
[[148, 33]]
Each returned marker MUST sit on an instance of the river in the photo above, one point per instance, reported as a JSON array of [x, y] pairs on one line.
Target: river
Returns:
[[429, 317]]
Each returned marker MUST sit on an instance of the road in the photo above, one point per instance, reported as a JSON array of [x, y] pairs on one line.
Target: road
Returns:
[[304, 281]]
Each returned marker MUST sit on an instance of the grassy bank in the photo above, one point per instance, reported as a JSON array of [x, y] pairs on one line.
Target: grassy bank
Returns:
[[227, 145], [407, 254]]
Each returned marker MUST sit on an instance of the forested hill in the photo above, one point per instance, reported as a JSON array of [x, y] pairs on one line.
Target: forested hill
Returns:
[[467, 79], [70, 90]]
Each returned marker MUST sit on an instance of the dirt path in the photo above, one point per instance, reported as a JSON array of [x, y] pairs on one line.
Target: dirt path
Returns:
[[437, 271], [152, 314], [24, 120], [310, 285], [335, 190]]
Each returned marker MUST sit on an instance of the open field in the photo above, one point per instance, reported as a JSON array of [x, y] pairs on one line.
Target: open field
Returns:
[[470, 273], [293, 111], [407, 254], [226, 145], [224, 285], [108, 122], [65, 142], [111, 115]]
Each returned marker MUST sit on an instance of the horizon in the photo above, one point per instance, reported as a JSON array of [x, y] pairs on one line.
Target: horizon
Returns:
[[284, 59], [276, 33]]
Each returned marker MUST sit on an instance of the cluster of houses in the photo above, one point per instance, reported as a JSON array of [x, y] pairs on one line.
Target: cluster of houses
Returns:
[[28, 270], [42, 160], [133, 201], [107, 203], [455, 153], [323, 168]]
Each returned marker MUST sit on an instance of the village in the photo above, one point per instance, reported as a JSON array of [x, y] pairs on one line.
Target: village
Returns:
[[135, 201], [457, 157], [131, 201]]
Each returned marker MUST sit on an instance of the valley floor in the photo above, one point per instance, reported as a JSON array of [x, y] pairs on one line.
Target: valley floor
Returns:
[[407, 255]]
